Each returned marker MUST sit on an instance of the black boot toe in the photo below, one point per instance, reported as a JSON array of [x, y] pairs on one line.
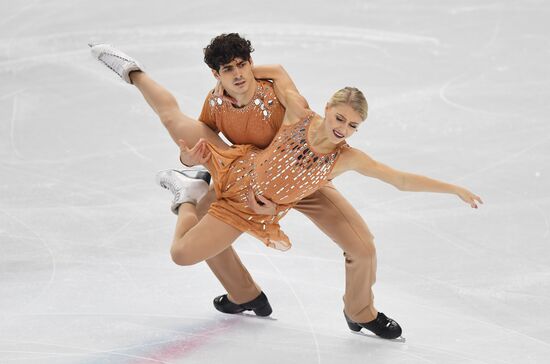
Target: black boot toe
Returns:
[[260, 305], [382, 326]]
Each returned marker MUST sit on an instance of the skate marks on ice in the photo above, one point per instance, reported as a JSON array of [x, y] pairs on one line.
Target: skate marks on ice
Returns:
[[68, 219], [166, 341]]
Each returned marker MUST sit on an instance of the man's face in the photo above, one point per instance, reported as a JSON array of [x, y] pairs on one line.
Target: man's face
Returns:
[[236, 76]]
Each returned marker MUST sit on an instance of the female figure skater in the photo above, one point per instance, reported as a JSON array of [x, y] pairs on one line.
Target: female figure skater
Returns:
[[256, 187]]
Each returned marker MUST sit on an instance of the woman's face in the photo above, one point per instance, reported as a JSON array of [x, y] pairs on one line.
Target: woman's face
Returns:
[[341, 121]]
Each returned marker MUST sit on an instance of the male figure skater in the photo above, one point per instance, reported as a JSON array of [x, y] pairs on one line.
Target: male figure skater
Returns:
[[249, 113]]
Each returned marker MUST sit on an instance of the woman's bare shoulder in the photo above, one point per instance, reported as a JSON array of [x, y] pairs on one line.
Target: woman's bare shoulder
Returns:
[[351, 158], [349, 152], [345, 160]]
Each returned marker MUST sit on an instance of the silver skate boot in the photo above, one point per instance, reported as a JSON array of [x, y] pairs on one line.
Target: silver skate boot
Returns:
[[119, 62], [187, 185]]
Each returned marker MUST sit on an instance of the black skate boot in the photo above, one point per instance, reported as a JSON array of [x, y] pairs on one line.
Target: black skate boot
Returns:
[[382, 326], [260, 305]]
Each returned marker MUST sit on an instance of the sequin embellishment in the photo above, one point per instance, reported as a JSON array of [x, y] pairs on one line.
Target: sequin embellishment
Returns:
[[284, 172], [287, 170], [257, 103]]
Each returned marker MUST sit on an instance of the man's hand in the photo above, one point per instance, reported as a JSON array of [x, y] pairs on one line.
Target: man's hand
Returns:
[[199, 154], [263, 207]]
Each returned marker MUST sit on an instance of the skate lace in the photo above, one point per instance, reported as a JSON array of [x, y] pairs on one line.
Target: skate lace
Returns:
[[172, 185], [102, 56], [386, 321]]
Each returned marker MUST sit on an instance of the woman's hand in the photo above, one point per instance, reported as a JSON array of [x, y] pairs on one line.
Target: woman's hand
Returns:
[[468, 197], [219, 91], [261, 205], [199, 154]]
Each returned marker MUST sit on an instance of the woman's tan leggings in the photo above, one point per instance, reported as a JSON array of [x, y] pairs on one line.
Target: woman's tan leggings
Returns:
[[193, 241], [200, 236], [179, 125]]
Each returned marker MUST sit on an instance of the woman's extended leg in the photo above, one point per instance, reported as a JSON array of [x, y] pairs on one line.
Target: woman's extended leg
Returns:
[[179, 125], [195, 241], [164, 104]]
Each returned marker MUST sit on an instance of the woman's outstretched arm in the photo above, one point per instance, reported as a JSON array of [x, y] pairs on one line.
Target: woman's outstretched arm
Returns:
[[281, 80], [285, 89], [355, 159]]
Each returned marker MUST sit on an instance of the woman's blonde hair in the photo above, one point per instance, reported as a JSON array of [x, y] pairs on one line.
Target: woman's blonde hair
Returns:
[[353, 97]]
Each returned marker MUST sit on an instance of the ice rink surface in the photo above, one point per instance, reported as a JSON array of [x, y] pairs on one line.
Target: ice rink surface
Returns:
[[458, 90]]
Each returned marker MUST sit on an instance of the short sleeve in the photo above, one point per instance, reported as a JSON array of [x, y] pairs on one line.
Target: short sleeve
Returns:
[[207, 114]]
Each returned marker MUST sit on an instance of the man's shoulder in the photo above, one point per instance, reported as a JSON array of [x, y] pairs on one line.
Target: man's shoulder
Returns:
[[212, 102], [266, 93], [266, 86], [210, 98], [265, 82]]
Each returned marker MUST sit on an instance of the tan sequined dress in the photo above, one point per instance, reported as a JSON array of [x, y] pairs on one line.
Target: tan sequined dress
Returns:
[[284, 172]]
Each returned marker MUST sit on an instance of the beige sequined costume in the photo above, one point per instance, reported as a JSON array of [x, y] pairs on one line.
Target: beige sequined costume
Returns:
[[284, 172]]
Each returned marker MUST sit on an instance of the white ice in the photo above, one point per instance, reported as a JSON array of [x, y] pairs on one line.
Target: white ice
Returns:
[[458, 90]]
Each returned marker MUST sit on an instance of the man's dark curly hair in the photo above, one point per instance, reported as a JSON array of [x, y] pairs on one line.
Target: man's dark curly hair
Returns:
[[226, 47]]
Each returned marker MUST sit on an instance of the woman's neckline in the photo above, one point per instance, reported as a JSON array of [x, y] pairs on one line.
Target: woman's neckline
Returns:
[[311, 118]]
